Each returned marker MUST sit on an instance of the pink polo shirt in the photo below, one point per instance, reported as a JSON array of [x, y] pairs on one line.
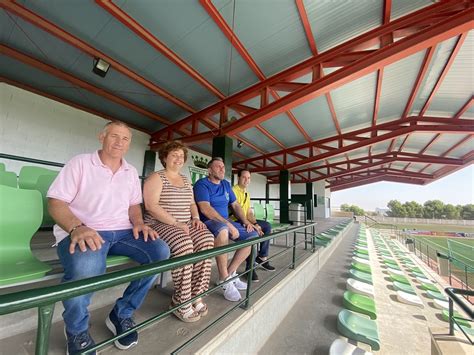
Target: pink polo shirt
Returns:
[[97, 196]]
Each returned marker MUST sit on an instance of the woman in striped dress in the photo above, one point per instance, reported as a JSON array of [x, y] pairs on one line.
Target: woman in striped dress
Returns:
[[172, 212]]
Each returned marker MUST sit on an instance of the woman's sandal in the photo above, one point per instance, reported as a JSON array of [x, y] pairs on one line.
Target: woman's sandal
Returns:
[[201, 308], [189, 317]]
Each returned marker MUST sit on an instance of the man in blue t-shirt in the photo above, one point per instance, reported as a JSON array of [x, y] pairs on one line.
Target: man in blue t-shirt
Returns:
[[214, 196]]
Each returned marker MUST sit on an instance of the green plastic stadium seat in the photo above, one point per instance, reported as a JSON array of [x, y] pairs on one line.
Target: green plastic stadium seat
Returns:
[[459, 318], [259, 211], [42, 185], [20, 218], [320, 242], [271, 218], [361, 251], [429, 287], [29, 176], [389, 260], [8, 178], [361, 267], [400, 278], [360, 287], [436, 295], [361, 276], [2, 166], [362, 256], [359, 303], [359, 328], [403, 287]]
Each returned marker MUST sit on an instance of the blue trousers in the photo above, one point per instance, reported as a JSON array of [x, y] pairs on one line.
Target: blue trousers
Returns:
[[264, 246], [81, 265]]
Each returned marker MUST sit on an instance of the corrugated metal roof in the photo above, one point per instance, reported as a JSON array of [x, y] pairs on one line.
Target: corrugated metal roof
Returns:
[[457, 88], [334, 22]]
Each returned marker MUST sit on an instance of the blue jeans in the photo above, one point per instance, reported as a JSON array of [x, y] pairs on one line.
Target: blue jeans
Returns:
[[264, 246], [81, 265]]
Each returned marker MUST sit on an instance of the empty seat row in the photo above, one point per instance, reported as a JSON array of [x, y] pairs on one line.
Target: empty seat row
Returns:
[[357, 321]]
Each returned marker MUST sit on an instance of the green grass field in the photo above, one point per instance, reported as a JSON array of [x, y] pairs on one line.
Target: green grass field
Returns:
[[464, 254]]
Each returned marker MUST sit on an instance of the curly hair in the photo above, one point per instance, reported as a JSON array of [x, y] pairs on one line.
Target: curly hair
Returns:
[[168, 147]]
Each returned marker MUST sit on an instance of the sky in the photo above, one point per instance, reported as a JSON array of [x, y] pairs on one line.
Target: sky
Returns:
[[457, 189]]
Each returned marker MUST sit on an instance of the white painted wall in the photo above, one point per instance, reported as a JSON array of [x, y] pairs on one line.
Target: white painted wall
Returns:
[[323, 210], [298, 189], [36, 127]]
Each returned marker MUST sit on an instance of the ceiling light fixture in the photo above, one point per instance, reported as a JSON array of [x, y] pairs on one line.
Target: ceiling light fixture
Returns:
[[101, 67]]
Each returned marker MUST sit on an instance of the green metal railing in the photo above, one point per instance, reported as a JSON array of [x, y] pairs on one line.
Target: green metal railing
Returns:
[[45, 298], [453, 298], [459, 273]]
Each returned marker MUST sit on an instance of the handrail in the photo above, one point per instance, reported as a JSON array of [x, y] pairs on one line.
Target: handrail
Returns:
[[453, 298], [45, 298], [394, 226], [19, 301], [30, 160], [36, 161]]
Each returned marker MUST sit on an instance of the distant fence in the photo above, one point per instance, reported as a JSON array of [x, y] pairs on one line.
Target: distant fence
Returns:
[[341, 214], [395, 220]]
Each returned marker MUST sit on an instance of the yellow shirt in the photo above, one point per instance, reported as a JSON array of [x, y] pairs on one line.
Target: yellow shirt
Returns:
[[243, 198]]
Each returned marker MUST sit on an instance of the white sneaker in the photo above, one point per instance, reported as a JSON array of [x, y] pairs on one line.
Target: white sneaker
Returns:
[[240, 285], [230, 292]]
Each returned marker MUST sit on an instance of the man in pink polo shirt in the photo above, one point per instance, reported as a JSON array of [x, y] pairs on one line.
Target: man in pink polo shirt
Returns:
[[95, 201]]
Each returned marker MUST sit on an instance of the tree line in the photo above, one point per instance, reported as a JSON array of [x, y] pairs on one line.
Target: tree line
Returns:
[[411, 209]]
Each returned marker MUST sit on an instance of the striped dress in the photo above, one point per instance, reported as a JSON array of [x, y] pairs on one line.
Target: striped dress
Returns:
[[189, 280]]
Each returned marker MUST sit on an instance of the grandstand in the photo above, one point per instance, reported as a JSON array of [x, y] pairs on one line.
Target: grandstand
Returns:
[[311, 97]]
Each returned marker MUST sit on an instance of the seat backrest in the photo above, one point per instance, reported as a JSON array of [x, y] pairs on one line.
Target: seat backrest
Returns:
[[42, 185], [8, 178], [2, 167], [29, 175], [21, 212], [270, 213], [258, 211]]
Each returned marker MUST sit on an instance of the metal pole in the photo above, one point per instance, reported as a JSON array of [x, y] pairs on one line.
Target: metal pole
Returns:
[[249, 277], [293, 263], [451, 321], [45, 316], [449, 271]]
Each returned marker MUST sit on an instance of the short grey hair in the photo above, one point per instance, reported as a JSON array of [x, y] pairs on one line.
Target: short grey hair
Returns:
[[115, 123]]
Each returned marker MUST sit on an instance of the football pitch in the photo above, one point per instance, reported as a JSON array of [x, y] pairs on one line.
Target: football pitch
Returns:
[[461, 248]]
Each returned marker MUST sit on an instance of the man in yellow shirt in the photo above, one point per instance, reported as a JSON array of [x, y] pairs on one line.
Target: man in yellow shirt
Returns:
[[262, 227]]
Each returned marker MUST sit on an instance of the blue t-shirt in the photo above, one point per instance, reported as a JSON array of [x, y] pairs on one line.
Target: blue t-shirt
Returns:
[[220, 196]]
